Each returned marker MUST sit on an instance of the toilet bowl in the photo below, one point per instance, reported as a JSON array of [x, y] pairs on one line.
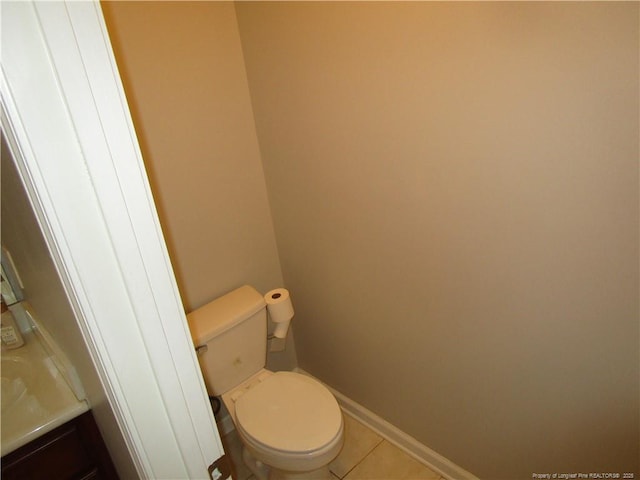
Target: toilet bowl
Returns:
[[288, 422]]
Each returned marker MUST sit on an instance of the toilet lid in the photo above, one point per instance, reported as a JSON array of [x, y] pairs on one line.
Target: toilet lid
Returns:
[[289, 412]]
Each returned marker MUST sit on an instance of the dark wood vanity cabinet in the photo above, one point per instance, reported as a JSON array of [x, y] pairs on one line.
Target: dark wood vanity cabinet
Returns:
[[73, 451]]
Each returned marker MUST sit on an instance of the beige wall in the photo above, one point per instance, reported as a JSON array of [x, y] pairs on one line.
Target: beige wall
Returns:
[[183, 72], [455, 196], [44, 291]]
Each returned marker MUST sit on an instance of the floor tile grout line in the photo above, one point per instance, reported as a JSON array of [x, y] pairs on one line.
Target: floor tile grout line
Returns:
[[363, 458]]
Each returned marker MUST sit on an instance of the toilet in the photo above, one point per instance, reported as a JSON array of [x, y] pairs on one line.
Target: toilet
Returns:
[[290, 424]]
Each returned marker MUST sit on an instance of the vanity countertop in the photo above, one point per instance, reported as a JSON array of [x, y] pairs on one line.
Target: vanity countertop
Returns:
[[36, 398]]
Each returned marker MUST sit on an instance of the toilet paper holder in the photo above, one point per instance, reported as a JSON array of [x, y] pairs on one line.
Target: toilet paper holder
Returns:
[[280, 311]]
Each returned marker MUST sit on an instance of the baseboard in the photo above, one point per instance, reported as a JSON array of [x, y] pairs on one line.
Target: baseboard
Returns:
[[394, 435]]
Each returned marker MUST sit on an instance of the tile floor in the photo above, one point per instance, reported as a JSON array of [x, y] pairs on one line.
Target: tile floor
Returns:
[[364, 456]]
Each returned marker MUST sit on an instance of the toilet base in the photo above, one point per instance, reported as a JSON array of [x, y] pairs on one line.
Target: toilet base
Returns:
[[259, 469], [320, 474], [264, 472]]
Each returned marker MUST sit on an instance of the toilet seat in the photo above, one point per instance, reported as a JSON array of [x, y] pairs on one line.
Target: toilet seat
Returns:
[[289, 414]]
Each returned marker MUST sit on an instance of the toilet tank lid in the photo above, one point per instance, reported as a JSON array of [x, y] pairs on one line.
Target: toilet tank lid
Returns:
[[223, 313]]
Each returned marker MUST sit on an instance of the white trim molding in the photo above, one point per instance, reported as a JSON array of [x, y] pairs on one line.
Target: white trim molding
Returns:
[[394, 435], [65, 110]]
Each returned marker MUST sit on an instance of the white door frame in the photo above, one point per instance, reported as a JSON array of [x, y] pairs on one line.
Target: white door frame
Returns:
[[64, 106]]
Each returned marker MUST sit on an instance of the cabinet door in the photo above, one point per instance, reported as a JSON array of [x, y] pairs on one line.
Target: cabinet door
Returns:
[[73, 451]]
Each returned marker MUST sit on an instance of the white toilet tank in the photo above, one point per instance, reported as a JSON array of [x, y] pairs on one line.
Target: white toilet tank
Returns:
[[234, 330]]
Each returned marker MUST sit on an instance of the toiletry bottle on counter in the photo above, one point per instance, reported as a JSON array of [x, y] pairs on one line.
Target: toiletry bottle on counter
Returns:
[[11, 336]]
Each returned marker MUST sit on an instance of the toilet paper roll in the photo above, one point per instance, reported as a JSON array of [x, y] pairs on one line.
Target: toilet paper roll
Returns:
[[280, 310]]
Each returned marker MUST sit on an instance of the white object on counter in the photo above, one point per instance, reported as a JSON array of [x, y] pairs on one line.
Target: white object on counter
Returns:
[[10, 333]]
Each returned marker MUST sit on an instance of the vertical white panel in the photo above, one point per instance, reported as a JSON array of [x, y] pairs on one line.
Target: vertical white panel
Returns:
[[64, 102]]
